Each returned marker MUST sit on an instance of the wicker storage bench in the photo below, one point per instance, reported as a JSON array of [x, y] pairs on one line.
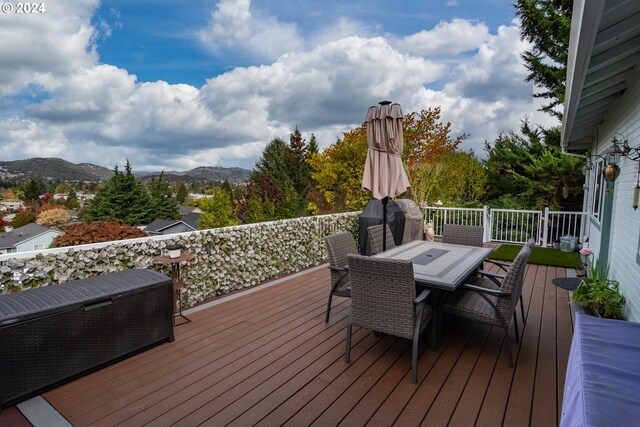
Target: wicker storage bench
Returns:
[[57, 333]]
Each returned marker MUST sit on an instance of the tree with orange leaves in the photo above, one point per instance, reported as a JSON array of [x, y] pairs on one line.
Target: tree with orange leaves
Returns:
[[426, 137]]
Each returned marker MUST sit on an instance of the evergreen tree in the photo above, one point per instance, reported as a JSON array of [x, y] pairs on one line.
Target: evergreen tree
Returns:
[[313, 147], [72, 199], [271, 181], [182, 193], [33, 189], [531, 167], [163, 205], [546, 24], [298, 168], [227, 187], [124, 198]]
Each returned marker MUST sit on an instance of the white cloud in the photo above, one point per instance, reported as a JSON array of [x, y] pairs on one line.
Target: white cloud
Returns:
[[38, 48], [446, 38], [100, 113], [233, 25]]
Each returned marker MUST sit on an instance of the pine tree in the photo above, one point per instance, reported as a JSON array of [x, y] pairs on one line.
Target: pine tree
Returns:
[[124, 199], [33, 189], [313, 147], [546, 24], [72, 199], [182, 193], [163, 205]]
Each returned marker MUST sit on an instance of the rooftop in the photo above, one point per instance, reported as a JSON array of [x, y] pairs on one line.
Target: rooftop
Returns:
[[267, 357]]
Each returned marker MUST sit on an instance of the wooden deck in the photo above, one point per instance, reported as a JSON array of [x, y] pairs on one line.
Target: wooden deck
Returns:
[[268, 358]]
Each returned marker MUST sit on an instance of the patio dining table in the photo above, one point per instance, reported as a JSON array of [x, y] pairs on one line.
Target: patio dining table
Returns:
[[442, 267]]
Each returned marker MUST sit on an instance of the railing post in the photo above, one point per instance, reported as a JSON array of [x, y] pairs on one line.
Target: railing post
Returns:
[[486, 224], [545, 229]]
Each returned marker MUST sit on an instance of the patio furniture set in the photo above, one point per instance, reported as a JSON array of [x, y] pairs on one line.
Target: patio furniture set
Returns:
[[407, 289]]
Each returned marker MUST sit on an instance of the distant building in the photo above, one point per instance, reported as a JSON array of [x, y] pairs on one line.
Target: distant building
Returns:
[[189, 222], [12, 205], [185, 209], [31, 237]]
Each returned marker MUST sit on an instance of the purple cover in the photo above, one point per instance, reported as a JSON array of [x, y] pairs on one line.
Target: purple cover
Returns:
[[602, 386]]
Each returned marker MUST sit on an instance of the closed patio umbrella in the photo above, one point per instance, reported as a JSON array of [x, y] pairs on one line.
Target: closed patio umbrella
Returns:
[[384, 175]]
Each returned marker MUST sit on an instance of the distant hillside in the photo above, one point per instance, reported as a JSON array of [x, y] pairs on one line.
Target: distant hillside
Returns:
[[202, 175], [52, 169]]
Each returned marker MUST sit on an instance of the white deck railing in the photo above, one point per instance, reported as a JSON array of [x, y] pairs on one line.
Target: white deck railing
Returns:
[[511, 225]]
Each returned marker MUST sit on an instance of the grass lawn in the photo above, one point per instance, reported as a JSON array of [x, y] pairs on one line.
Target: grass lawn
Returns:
[[542, 256]]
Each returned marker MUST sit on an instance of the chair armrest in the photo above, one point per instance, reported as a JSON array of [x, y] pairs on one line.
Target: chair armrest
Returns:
[[502, 265], [423, 296], [339, 270], [490, 274], [480, 289]]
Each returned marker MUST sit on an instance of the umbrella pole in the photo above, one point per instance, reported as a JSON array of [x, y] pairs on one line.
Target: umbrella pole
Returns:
[[385, 200]]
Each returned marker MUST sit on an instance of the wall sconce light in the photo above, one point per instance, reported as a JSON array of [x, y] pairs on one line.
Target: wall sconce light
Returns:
[[620, 148]]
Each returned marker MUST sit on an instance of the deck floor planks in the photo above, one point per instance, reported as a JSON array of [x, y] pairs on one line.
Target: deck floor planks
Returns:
[[564, 336], [167, 373], [522, 387], [543, 408], [275, 377], [199, 333], [186, 393]]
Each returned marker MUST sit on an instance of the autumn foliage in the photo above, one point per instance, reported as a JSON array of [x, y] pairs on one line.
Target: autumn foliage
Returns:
[[53, 217], [97, 231]]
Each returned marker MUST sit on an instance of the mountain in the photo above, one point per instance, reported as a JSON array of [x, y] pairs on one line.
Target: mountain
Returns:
[[201, 175], [52, 169]]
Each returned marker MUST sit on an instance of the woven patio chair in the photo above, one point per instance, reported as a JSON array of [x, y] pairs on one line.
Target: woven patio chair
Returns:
[[491, 301], [504, 266], [383, 298], [375, 239], [338, 247], [469, 235]]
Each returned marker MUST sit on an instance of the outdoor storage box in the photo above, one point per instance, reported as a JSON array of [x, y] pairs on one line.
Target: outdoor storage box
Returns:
[[57, 333]]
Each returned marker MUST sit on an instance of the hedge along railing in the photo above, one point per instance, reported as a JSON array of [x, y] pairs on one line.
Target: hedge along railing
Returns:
[[227, 258]]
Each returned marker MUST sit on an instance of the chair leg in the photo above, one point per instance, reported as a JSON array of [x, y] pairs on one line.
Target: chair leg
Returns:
[[508, 342], [414, 363], [515, 325], [326, 320], [347, 353], [522, 309]]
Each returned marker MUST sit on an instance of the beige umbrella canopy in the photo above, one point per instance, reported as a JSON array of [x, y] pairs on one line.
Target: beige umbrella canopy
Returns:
[[384, 175]]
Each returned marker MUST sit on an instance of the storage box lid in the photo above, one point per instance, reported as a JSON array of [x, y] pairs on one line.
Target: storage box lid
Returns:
[[72, 295]]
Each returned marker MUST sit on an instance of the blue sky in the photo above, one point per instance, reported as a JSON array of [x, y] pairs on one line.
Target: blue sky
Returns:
[[174, 85]]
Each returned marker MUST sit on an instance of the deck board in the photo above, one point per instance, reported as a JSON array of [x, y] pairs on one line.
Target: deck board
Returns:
[[268, 358]]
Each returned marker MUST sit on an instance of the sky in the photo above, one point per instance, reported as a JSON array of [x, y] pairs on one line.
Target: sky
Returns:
[[175, 85]]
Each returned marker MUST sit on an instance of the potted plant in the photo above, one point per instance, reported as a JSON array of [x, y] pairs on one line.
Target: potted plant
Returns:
[[599, 295]]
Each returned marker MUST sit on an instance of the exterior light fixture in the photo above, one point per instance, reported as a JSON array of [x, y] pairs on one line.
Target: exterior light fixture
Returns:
[[620, 148]]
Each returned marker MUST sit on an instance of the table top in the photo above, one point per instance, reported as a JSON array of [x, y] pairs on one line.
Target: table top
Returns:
[[439, 265]]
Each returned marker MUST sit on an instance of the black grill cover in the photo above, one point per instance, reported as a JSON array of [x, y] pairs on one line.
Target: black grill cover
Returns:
[[372, 215]]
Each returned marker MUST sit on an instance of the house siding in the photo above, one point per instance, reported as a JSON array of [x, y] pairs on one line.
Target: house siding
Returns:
[[624, 256], [43, 239]]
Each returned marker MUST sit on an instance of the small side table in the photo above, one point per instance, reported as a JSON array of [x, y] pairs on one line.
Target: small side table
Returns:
[[178, 283]]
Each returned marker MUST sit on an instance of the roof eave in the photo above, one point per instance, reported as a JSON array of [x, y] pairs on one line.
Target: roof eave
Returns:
[[585, 21]]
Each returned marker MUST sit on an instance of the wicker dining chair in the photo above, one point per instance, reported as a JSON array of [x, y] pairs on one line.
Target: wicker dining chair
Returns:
[[338, 247], [383, 298], [375, 239], [492, 301], [504, 266], [470, 235]]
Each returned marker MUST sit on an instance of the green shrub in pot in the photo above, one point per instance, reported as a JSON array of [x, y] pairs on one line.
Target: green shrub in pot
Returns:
[[599, 295]]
